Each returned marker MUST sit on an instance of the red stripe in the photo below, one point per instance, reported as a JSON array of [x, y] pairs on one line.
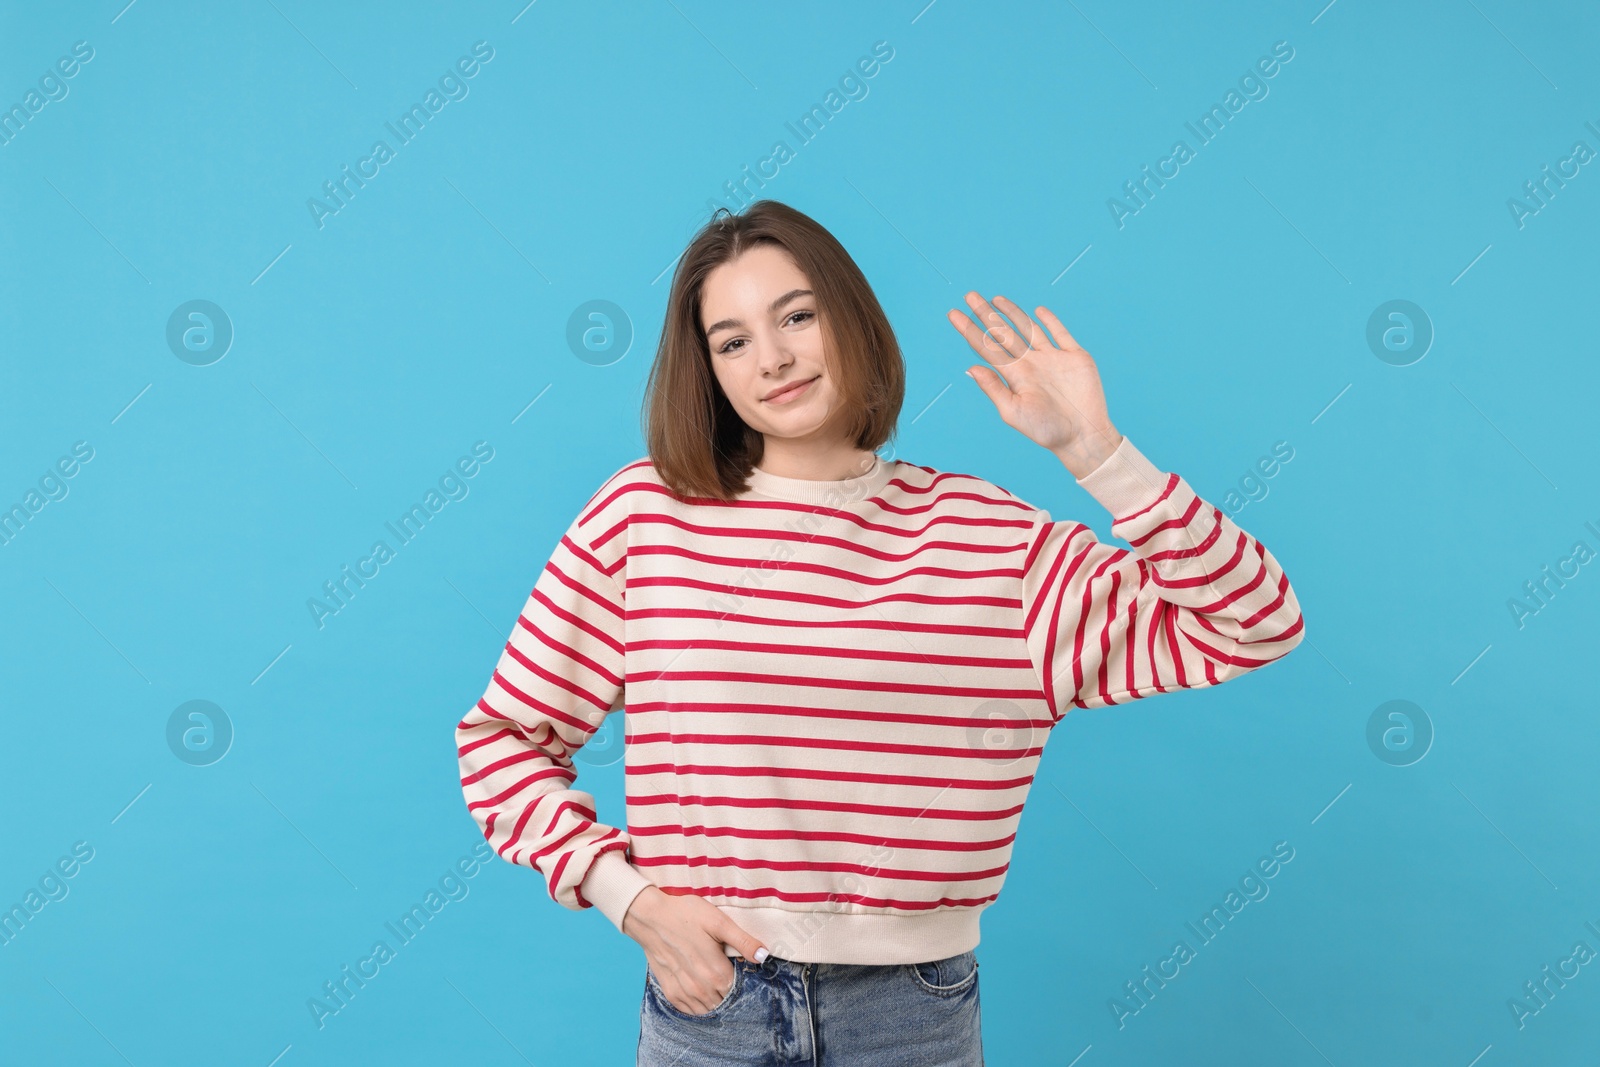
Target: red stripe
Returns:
[[804, 774], [1105, 638], [555, 875], [852, 543], [743, 566], [830, 745], [1182, 523], [1152, 627], [473, 746], [852, 623], [854, 685], [1168, 611], [819, 866], [1130, 635], [1218, 654], [840, 652], [692, 830], [1166, 491], [549, 710], [1193, 549], [577, 888], [566, 776], [1085, 610], [818, 600], [742, 893], [642, 707], [798, 804]]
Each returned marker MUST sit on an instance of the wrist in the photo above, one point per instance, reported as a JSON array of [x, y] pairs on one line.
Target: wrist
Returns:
[[1089, 450], [637, 916], [612, 884]]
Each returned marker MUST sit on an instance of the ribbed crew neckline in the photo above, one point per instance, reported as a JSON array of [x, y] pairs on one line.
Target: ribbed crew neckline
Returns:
[[838, 494]]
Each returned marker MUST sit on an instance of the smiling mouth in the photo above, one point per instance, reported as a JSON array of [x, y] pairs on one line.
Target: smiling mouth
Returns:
[[788, 394]]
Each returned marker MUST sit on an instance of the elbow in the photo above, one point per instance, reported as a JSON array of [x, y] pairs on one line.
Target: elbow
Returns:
[[1295, 619], [1295, 634], [1283, 627]]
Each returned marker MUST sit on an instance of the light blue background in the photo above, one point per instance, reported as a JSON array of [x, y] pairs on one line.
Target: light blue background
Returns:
[[428, 313]]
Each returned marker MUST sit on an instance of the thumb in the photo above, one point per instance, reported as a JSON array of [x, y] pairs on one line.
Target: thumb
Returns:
[[993, 386], [750, 947]]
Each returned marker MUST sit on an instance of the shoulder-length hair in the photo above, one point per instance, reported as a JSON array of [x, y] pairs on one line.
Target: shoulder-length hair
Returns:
[[698, 443]]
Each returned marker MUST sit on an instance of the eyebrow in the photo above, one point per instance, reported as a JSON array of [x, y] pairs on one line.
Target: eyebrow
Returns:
[[728, 324]]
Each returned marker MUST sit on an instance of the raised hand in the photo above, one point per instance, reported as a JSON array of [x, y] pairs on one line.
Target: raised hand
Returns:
[[1051, 391]]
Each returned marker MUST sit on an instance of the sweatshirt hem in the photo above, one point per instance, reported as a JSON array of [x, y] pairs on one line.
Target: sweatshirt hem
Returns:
[[858, 937]]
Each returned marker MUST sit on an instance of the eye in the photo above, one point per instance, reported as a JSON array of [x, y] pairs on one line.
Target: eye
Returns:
[[729, 346]]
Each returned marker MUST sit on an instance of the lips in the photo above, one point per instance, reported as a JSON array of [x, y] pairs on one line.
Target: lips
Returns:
[[790, 393]]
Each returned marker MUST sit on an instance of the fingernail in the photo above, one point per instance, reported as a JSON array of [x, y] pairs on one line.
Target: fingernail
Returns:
[[761, 955]]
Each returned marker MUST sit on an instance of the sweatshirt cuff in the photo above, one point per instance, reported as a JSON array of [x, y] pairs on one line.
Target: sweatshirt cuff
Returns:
[[1125, 480], [611, 884]]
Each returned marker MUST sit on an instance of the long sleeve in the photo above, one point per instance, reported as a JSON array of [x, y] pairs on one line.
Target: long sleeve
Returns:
[[560, 674], [1196, 602]]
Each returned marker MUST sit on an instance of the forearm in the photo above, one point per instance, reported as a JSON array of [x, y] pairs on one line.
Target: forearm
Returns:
[[1235, 591], [1196, 600]]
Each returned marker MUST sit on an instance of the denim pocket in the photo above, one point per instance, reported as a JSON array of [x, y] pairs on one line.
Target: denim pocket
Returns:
[[946, 977], [673, 1010]]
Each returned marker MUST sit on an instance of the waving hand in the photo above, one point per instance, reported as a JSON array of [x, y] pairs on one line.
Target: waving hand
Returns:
[[1051, 391]]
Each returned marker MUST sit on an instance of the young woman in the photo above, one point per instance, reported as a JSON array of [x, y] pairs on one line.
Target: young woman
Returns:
[[840, 670]]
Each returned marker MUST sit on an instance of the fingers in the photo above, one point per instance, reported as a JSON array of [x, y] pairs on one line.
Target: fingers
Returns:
[[1032, 334], [991, 337], [720, 986], [749, 947], [995, 389], [688, 991], [1008, 336], [1058, 332], [981, 340], [999, 341]]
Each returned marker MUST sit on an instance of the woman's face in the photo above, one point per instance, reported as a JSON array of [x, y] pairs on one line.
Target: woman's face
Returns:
[[764, 333]]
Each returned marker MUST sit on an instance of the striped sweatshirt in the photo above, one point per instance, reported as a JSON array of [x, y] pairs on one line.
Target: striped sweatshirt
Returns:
[[835, 694]]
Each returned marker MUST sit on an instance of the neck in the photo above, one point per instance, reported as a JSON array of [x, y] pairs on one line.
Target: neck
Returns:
[[813, 462]]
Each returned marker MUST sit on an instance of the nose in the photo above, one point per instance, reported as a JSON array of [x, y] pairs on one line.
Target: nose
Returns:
[[775, 355]]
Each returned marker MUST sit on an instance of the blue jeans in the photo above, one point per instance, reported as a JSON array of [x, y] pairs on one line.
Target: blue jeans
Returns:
[[823, 1015]]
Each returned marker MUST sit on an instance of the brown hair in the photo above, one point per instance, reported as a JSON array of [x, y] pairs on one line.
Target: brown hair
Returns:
[[697, 441]]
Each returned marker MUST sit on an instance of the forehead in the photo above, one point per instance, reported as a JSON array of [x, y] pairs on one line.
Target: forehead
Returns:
[[755, 276]]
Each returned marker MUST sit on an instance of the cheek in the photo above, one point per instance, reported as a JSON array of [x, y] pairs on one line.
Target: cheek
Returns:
[[826, 398], [734, 386]]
